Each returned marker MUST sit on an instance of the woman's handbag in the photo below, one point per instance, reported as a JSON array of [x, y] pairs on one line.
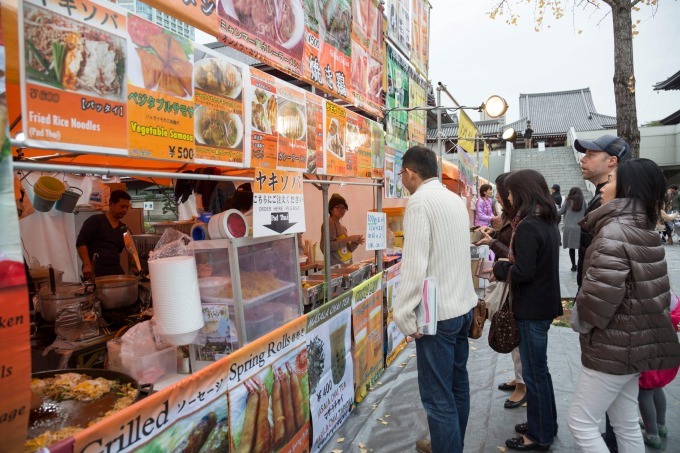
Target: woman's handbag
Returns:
[[478, 319], [504, 333]]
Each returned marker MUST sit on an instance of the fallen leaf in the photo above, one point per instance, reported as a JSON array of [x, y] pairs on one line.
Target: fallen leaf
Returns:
[[473, 348], [524, 405], [341, 440], [387, 415], [412, 355], [362, 446], [384, 422], [336, 451], [501, 449], [379, 383]]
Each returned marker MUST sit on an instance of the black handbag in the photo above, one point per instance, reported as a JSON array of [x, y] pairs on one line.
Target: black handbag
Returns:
[[504, 333]]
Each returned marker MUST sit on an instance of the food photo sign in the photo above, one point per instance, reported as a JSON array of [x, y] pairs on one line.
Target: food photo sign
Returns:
[[330, 367], [269, 392], [73, 60], [278, 203]]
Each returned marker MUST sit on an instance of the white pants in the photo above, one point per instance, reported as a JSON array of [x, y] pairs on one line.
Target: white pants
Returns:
[[597, 393], [517, 361]]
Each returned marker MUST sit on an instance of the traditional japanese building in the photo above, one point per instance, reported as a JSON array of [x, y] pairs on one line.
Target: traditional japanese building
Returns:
[[672, 83]]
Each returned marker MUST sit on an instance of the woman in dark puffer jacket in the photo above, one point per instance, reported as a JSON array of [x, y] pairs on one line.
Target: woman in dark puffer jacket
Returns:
[[621, 310]]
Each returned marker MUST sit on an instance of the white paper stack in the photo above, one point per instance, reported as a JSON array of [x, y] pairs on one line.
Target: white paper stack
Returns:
[[176, 298]]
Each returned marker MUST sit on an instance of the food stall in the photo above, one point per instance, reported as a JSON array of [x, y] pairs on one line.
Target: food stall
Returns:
[[169, 105]]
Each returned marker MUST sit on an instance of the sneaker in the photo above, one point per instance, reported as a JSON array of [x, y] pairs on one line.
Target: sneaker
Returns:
[[663, 430], [573, 268], [652, 440], [424, 446]]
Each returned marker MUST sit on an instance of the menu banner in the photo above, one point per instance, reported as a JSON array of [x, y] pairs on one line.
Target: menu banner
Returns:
[[466, 170], [397, 98], [399, 24], [393, 185], [261, 100], [377, 150], [330, 367], [73, 60], [420, 34], [367, 328], [269, 31], [467, 132], [160, 73], [316, 158], [201, 14], [269, 392], [417, 119], [367, 54], [396, 340], [335, 140], [220, 119], [278, 203], [191, 414], [291, 123]]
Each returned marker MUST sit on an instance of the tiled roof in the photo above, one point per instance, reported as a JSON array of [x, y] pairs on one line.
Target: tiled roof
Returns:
[[673, 118], [671, 83], [450, 130], [554, 113]]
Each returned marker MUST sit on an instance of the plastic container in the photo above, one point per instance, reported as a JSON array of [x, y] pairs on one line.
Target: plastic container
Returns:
[[150, 368], [69, 199]]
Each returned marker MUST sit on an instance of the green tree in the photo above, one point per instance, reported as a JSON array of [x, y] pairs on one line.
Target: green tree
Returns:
[[624, 30]]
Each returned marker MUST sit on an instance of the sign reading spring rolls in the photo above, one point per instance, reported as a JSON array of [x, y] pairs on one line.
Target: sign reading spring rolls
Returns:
[[219, 117], [335, 140], [278, 203], [291, 124], [367, 328], [330, 367], [268, 30], [261, 100], [269, 392], [188, 416], [160, 93], [73, 59]]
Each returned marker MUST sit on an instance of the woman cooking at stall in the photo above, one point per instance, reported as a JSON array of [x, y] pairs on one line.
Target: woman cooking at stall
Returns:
[[342, 245]]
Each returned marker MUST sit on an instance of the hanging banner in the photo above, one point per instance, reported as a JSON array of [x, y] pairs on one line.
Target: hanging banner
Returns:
[[220, 119], [364, 145], [367, 327], [417, 119], [291, 124], [467, 132], [420, 20], [399, 24], [328, 45], [393, 185], [466, 170], [334, 139], [367, 57], [269, 392], [352, 143], [160, 93], [189, 415], [331, 369], [201, 14], [487, 153], [261, 100], [73, 60], [269, 31], [397, 98], [316, 161], [377, 150], [278, 203], [396, 340]]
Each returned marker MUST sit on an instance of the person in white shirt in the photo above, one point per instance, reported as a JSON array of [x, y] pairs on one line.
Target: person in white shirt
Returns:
[[436, 244]]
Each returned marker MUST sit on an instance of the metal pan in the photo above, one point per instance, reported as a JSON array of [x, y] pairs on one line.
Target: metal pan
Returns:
[[55, 415]]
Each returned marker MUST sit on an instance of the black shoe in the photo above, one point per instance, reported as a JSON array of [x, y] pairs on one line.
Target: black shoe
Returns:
[[522, 428], [506, 386], [517, 443], [573, 268], [510, 404]]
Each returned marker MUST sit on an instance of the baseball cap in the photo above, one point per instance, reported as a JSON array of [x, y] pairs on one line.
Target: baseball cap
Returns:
[[556, 187], [610, 144]]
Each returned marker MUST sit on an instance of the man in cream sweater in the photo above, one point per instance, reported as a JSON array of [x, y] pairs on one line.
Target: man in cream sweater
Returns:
[[437, 244]]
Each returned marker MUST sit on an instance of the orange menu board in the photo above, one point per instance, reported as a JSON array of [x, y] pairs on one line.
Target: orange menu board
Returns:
[[367, 43], [334, 139], [160, 93], [352, 139], [316, 162], [269, 376], [291, 124], [73, 58], [261, 99], [377, 150], [219, 119], [367, 328], [364, 149]]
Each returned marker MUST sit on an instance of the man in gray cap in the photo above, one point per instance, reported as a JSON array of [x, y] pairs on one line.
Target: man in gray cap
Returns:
[[601, 157]]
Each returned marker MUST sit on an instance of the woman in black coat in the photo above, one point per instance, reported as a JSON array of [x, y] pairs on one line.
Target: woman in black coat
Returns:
[[533, 267]]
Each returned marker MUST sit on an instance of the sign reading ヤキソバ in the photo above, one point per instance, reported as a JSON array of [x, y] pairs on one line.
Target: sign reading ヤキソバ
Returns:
[[278, 203]]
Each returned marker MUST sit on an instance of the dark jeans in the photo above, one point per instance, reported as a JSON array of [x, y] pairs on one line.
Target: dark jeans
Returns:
[[443, 382], [541, 411]]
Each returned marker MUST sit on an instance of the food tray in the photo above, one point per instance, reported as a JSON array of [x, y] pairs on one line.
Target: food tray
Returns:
[[285, 286], [312, 294], [350, 277], [336, 284]]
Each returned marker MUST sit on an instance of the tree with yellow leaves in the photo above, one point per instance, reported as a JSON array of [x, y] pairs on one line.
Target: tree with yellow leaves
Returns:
[[624, 30]]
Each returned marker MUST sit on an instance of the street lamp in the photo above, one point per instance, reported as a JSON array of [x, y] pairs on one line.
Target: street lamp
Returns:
[[495, 106], [509, 134]]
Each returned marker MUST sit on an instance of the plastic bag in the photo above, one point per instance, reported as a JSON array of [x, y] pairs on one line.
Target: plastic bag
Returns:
[[172, 243], [142, 340], [99, 196]]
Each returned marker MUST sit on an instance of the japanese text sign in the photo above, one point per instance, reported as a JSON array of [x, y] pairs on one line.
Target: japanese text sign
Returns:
[[376, 231], [278, 203], [467, 132]]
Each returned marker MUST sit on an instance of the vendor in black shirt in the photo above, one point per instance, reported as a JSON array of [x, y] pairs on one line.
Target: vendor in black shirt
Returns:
[[103, 234]]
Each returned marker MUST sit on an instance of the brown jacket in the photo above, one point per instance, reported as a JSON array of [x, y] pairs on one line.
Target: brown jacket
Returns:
[[625, 294]]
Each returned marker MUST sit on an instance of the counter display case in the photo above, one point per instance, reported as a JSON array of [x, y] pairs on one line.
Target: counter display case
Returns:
[[249, 287]]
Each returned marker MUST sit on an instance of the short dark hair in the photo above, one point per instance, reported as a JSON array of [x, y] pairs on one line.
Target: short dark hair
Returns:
[[118, 195], [483, 188], [530, 195], [421, 160], [674, 186], [641, 179], [508, 209]]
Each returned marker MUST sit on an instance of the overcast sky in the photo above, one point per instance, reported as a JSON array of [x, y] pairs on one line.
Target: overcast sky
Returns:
[[475, 56]]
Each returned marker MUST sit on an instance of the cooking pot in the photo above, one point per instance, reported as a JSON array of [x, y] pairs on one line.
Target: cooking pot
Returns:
[[48, 303], [117, 291], [55, 415]]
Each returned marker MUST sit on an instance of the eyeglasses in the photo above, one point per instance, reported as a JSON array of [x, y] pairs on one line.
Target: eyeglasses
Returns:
[[403, 171], [341, 208]]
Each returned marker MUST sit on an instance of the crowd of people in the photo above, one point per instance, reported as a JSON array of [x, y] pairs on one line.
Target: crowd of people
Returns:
[[624, 312]]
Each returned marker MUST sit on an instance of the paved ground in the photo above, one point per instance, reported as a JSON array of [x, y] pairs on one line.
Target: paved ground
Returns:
[[395, 399]]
